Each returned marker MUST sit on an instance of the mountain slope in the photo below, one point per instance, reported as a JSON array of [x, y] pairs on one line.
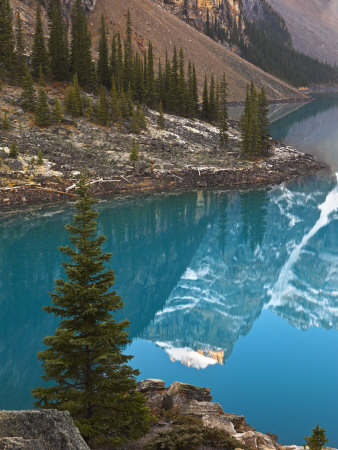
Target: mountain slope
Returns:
[[313, 25], [151, 22]]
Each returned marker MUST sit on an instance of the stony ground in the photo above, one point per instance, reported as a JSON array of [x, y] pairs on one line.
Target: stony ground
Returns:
[[184, 155]]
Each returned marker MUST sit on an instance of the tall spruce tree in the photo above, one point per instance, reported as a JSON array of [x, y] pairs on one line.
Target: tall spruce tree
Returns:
[[81, 59], [102, 108], [58, 43], [223, 112], [103, 70], [39, 50], [212, 113], [7, 54], [20, 48], [263, 123], [128, 55], [85, 357], [244, 125], [205, 101], [42, 112], [28, 97]]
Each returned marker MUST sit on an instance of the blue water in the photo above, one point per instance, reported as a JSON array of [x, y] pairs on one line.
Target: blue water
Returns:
[[237, 291]]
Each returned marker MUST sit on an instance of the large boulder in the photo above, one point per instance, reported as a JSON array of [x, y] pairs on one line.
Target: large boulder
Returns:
[[39, 430]]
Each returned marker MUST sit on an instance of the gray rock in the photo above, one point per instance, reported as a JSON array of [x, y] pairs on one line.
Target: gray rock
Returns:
[[39, 430], [14, 164], [152, 384]]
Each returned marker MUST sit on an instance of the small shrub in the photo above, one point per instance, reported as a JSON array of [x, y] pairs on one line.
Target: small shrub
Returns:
[[13, 151], [5, 122], [188, 433], [134, 153], [317, 440], [39, 161]]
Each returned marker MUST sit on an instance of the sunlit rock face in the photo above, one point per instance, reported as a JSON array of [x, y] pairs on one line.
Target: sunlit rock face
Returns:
[[293, 272]]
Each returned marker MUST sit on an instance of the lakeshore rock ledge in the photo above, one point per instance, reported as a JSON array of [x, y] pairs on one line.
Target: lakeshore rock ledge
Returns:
[[54, 430]]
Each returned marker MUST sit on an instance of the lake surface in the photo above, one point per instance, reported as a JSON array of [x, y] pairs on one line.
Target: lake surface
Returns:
[[237, 291]]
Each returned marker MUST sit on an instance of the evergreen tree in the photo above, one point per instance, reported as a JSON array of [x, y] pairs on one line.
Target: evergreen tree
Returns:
[[90, 109], [102, 108], [128, 55], [5, 122], [181, 87], [141, 118], [39, 160], [318, 440], [135, 126], [103, 71], [13, 151], [150, 77], [113, 59], [205, 101], [57, 111], [7, 54], [263, 123], [244, 124], [73, 100], [134, 152], [85, 357], [212, 112], [39, 50], [160, 118], [195, 89], [116, 114], [125, 106], [42, 111], [28, 97], [81, 59], [223, 112], [58, 43], [20, 48]]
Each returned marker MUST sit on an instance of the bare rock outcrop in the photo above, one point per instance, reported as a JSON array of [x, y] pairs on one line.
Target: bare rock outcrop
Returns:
[[39, 430]]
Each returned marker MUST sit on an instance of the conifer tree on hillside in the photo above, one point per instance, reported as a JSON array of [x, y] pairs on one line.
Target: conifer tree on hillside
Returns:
[[42, 112], [7, 54], [39, 50], [223, 112], [135, 126], [150, 78], [102, 108], [212, 110], [58, 43], [13, 151], [103, 70], [28, 97], [254, 124], [128, 56], [160, 118], [81, 59], [73, 99], [181, 87], [263, 122], [134, 152], [5, 122], [205, 101], [85, 357], [20, 48], [244, 125], [57, 111]]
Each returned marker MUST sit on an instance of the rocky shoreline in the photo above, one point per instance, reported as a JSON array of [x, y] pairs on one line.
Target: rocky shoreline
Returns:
[[184, 156], [53, 430]]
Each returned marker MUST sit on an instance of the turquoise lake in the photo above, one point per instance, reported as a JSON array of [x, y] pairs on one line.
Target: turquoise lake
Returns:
[[237, 291]]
